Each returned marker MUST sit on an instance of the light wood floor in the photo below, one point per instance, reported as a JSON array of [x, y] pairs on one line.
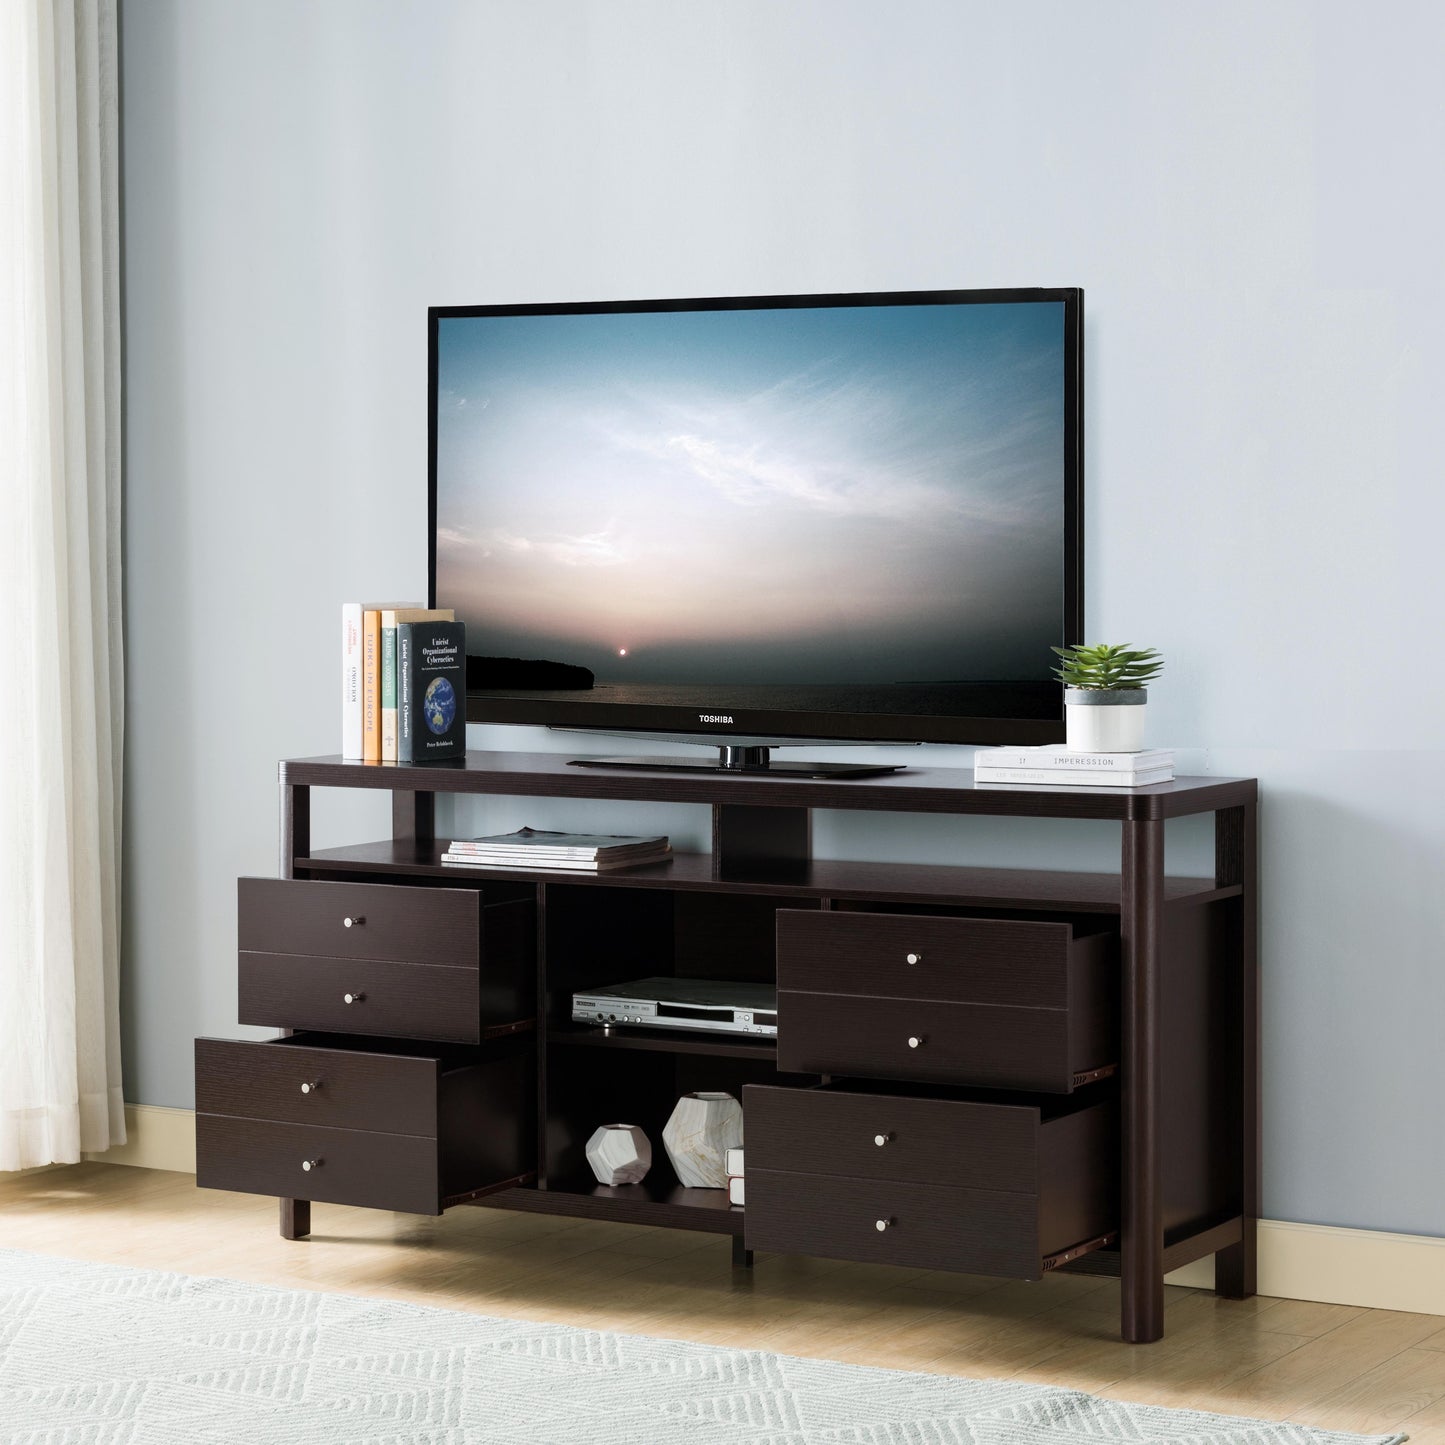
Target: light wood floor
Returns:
[[1331, 1365]]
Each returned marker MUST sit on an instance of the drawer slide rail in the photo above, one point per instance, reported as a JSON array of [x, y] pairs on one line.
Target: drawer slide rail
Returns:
[[1078, 1251]]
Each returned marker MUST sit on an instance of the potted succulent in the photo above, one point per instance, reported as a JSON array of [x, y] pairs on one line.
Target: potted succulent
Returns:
[[1104, 695]]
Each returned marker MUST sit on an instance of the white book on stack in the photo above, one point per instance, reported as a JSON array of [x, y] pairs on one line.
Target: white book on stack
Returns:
[[542, 843], [1063, 778], [539, 848], [1059, 766], [570, 865], [1060, 755]]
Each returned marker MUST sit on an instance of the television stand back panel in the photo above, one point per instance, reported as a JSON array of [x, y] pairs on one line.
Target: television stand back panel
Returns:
[[997, 1071]]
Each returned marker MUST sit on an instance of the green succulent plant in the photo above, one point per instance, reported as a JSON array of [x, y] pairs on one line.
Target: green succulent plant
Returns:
[[1102, 668]]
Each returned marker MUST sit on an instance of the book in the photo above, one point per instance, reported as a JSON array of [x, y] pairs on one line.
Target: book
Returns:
[[361, 679], [351, 679], [735, 1190], [1068, 778], [431, 691], [733, 1163], [391, 617], [1060, 755], [530, 862], [539, 842], [371, 684], [535, 860]]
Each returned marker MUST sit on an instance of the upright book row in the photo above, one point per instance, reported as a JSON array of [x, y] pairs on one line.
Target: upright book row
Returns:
[[403, 683]]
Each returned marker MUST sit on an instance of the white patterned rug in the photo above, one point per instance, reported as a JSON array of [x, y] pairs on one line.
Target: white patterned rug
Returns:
[[93, 1354]]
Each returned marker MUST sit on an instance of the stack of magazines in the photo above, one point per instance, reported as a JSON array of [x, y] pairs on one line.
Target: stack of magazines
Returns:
[[1061, 767], [534, 848]]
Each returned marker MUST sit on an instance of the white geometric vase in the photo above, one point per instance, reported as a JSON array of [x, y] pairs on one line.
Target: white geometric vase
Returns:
[[702, 1129], [619, 1154]]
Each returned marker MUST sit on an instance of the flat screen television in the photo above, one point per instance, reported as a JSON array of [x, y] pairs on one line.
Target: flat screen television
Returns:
[[778, 519]]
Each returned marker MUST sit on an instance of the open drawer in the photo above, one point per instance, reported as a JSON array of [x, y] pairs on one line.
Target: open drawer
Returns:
[[368, 1122], [979, 1002], [455, 965], [934, 1181]]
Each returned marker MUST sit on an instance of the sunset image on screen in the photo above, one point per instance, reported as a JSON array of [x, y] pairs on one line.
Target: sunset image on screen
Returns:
[[781, 507]]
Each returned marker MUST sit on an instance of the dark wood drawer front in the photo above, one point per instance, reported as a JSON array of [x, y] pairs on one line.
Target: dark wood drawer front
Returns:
[[877, 1136], [925, 1226], [345, 1089], [995, 1048], [388, 921], [349, 1166], [958, 960], [394, 1000]]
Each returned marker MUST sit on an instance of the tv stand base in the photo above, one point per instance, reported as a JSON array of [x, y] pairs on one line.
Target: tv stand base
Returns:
[[742, 760]]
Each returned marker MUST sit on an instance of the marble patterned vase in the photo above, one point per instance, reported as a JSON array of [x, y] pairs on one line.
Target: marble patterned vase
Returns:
[[619, 1154], [702, 1129]]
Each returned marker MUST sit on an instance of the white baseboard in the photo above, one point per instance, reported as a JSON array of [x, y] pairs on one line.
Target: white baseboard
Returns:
[[156, 1138], [1342, 1266], [1296, 1261]]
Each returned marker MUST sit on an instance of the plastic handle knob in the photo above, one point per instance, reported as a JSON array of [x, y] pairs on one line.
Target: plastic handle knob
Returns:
[[309, 1164], [311, 1086], [881, 1224], [915, 1041], [915, 958], [881, 1139], [352, 922], [353, 998]]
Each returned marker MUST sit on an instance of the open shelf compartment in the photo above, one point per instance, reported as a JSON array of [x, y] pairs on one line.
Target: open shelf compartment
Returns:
[[1034, 890]]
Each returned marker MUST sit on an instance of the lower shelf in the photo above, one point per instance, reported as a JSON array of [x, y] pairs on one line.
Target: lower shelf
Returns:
[[666, 1041], [661, 1202]]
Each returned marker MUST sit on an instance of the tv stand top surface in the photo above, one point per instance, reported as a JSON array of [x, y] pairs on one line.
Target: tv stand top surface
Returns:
[[912, 790]]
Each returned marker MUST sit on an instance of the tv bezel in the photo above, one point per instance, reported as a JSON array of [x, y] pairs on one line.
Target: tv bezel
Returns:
[[820, 727]]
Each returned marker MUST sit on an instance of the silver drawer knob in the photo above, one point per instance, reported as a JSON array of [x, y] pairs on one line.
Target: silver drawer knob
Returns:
[[352, 922], [881, 1139], [881, 1224], [309, 1164], [916, 1041], [353, 998], [311, 1086], [915, 958]]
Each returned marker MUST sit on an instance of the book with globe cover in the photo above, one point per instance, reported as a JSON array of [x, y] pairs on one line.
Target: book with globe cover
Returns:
[[431, 692], [391, 619]]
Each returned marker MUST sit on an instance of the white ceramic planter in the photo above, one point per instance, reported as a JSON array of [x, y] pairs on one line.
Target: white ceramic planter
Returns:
[[619, 1154], [703, 1127], [1103, 721]]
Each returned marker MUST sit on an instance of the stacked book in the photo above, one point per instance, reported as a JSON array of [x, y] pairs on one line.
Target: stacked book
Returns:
[[733, 1160], [1059, 767], [535, 848], [403, 683]]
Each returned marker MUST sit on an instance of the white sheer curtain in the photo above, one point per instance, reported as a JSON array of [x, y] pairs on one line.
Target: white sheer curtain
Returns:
[[60, 599]]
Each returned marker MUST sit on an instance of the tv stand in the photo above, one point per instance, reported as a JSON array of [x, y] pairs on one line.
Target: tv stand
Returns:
[[991, 1070], [732, 759]]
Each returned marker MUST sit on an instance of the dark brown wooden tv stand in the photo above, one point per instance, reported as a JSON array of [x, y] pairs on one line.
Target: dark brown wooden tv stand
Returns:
[[999, 1071]]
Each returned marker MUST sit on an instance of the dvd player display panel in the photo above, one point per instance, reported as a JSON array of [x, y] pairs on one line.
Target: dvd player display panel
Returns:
[[711, 1005]]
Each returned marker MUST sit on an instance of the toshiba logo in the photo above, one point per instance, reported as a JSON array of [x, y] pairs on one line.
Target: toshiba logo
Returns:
[[714, 717]]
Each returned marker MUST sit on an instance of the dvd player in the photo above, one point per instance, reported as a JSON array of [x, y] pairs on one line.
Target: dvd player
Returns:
[[714, 1005]]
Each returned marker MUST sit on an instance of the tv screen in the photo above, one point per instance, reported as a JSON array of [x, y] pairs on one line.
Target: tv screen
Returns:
[[824, 517]]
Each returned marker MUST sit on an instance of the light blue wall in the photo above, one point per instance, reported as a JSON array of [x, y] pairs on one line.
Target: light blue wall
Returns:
[[1247, 192]]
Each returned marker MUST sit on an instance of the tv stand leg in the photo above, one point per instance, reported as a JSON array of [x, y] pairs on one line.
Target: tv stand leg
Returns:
[[295, 1218], [1234, 1268], [1141, 1234], [742, 1256], [1236, 852]]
